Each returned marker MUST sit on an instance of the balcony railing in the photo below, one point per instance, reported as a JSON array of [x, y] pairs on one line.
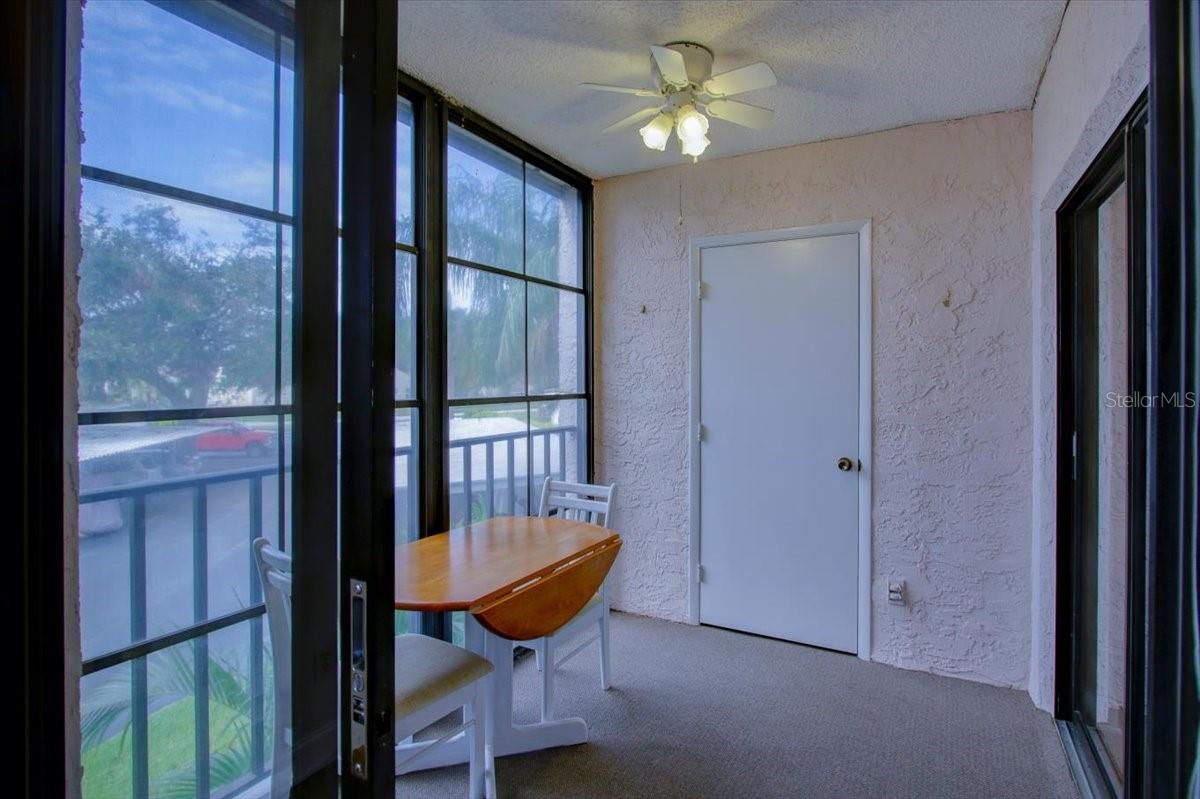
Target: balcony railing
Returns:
[[504, 490], [499, 495]]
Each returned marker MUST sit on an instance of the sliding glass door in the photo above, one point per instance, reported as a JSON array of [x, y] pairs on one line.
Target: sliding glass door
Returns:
[[1101, 457], [228, 368], [190, 398]]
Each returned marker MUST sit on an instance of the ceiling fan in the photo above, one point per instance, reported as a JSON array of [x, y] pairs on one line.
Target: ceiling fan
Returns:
[[688, 90]]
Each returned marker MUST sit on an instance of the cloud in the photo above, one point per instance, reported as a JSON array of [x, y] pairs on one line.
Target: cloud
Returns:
[[223, 229], [179, 95], [254, 176]]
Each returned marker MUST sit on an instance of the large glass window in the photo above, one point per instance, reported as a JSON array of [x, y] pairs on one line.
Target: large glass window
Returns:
[[516, 330], [184, 383], [516, 333]]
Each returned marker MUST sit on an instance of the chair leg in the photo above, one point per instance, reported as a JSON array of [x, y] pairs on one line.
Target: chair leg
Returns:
[[538, 649], [489, 753], [605, 667], [477, 712], [547, 679]]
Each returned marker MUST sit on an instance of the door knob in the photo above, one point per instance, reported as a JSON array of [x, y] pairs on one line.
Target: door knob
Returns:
[[845, 464]]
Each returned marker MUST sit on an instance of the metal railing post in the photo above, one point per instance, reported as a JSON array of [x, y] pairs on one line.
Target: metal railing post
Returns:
[[468, 484], [139, 690], [413, 498], [490, 450], [257, 709], [512, 476], [562, 457], [200, 645]]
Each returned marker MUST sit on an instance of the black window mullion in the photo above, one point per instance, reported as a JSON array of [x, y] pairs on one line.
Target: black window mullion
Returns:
[[280, 455], [181, 414], [499, 270], [430, 201], [525, 297], [586, 243], [170, 192]]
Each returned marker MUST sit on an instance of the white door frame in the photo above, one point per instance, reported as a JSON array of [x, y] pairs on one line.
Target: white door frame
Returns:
[[863, 228]]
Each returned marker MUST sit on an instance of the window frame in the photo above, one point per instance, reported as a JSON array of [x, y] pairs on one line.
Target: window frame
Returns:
[[433, 113], [489, 133], [1120, 166], [270, 22]]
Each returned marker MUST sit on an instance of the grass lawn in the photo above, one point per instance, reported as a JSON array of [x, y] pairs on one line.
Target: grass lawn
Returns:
[[108, 767]]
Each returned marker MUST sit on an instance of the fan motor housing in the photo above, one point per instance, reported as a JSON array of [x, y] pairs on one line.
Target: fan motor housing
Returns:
[[697, 60]]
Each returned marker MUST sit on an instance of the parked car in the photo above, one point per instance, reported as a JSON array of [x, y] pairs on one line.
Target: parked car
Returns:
[[235, 437]]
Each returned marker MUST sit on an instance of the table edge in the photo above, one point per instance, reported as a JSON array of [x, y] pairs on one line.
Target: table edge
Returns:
[[488, 599]]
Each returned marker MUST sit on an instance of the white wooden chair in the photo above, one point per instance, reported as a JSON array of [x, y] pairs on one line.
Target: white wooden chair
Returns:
[[585, 503], [275, 573], [433, 679]]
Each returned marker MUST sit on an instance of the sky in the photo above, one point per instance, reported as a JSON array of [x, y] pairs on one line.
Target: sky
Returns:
[[168, 101]]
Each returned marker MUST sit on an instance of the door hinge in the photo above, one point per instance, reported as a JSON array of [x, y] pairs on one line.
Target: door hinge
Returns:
[[701, 432], [701, 290], [699, 573]]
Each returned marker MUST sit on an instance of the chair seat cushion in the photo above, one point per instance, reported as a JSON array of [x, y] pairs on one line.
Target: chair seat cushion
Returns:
[[428, 669]]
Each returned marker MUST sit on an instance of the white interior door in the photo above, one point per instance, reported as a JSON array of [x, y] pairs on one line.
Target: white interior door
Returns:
[[779, 405]]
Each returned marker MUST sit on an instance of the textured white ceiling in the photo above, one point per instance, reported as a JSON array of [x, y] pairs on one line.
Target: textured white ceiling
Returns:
[[844, 67]]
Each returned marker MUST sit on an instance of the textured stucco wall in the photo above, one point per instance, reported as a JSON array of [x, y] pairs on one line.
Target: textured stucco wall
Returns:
[[952, 452], [1098, 67], [73, 770]]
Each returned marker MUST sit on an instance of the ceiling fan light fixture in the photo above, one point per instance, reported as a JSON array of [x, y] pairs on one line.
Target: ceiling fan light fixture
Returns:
[[657, 132], [684, 86]]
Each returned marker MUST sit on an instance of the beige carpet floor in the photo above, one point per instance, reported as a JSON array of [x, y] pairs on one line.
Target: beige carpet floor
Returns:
[[704, 712]]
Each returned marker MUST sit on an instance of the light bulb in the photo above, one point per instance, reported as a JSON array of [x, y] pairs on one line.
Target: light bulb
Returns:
[[695, 146], [657, 132], [691, 124]]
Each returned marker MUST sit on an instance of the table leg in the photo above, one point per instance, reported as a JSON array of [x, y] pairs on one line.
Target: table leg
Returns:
[[509, 738]]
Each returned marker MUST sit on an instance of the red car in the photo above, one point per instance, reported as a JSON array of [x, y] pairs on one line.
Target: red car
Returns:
[[235, 437]]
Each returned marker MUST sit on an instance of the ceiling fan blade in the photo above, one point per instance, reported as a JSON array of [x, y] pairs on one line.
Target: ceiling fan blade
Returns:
[[636, 116], [603, 87], [670, 65], [744, 114], [742, 79]]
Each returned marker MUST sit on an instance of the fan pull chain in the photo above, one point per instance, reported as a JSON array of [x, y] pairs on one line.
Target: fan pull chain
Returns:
[[681, 201]]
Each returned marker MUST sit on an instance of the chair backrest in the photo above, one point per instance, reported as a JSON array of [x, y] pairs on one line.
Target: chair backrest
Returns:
[[275, 573], [580, 502]]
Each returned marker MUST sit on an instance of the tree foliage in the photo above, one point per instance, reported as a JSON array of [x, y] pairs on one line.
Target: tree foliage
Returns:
[[172, 319]]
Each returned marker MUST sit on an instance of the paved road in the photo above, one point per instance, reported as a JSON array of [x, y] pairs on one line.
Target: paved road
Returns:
[[104, 560]]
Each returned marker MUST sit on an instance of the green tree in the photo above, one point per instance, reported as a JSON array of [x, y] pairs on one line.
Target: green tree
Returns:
[[172, 320], [169, 320], [488, 344]]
